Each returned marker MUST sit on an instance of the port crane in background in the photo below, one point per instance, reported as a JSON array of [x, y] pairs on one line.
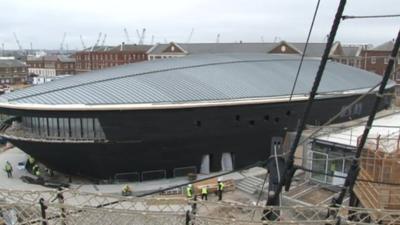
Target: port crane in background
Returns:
[[104, 40], [218, 36], [190, 36], [62, 42], [82, 42], [97, 42], [141, 36], [17, 41], [128, 40]]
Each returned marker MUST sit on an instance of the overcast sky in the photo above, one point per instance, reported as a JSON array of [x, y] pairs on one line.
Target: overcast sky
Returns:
[[43, 22]]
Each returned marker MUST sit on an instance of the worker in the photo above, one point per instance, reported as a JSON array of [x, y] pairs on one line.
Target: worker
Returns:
[[30, 163], [220, 189], [189, 191], [126, 190], [35, 168], [204, 193], [8, 168]]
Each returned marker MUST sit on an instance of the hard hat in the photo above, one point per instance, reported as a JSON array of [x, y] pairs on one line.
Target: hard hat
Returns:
[[190, 185], [219, 179]]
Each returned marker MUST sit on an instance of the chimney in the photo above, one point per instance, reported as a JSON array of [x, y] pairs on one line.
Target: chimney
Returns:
[[122, 46]]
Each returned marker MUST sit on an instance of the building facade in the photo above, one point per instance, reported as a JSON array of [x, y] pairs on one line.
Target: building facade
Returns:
[[101, 57], [51, 65], [349, 55], [376, 60], [13, 71]]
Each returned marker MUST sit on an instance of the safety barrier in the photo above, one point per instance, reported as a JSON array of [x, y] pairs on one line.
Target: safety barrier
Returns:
[[73, 207]]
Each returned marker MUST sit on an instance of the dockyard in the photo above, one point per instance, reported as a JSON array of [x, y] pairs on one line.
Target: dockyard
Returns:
[[249, 118]]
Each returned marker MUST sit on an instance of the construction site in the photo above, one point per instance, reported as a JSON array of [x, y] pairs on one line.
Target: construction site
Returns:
[[244, 198], [205, 139]]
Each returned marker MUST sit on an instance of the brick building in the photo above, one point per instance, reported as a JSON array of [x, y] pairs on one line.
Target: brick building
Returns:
[[107, 56], [53, 65], [344, 54], [12, 71], [376, 59]]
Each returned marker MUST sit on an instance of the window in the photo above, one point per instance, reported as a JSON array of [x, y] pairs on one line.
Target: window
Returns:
[[53, 127], [277, 119], [266, 117], [373, 59], [252, 122], [35, 125], [87, 128], [43, 126], [64, 127], [75, 127], [319, 166]]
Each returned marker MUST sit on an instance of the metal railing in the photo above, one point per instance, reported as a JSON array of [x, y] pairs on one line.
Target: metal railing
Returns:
[[73, 207]]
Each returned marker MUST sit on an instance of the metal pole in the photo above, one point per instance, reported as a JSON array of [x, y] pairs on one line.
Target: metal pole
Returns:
[[289, 168], [355, 167], [43, 208]]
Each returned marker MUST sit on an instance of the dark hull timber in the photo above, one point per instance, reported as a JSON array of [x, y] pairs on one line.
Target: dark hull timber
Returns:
[[136, 141]]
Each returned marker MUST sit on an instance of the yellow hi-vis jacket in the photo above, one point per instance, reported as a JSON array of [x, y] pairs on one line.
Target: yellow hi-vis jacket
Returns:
[[221, 186], [8, 167], [204, 190], [189, 192]]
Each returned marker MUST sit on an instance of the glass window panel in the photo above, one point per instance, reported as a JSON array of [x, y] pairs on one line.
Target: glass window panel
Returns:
[[53, 127], [319, 165], [90, 128], [64, 127], [35, 125], [43, 126], [84, 127], [99, 134], [75, 127]]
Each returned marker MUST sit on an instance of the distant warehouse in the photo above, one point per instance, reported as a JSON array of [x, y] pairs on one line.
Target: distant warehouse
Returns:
[[12, 71]]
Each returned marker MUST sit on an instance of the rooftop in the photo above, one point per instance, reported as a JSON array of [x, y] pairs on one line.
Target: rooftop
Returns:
[[195, 79], [61, 58], [6, 63], [313, 49], [385, 127]]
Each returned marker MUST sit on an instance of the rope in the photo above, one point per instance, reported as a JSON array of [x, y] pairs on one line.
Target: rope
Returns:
[[339, 113], [304, 51], [371, 16]]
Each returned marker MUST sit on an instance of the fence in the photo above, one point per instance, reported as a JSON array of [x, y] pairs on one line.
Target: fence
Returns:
[[72, 207]]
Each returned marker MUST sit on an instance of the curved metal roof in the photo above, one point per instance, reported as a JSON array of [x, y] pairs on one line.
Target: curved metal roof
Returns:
[[191, 79]]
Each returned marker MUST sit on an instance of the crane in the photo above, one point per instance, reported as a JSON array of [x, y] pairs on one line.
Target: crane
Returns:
[[82, 42], [218, 36], [104, 40], [62, 42], [97, 42], [2, 49], [17, 41], [190, 36], [141, 36], [128, 41]]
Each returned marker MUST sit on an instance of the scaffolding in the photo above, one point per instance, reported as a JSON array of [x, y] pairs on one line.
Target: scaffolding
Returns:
[[73, 207], [380, 163]]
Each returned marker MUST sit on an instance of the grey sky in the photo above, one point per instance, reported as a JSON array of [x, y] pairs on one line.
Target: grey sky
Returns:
[[43, 22]]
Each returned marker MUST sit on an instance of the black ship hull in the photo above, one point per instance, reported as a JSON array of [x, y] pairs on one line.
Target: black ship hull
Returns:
[[163, 141]]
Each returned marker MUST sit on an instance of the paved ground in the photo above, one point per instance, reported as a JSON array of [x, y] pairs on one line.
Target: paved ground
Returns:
[[16, 156]]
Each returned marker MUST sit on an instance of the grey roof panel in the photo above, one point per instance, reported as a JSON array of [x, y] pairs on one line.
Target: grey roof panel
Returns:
[[194, 78]]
